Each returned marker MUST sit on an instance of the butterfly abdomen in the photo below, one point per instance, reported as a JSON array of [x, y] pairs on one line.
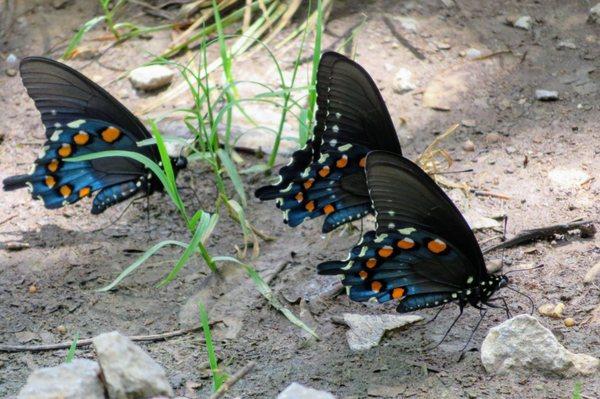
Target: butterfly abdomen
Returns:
[[16, 182]]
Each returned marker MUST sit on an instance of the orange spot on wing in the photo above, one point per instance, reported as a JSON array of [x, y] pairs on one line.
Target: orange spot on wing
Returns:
[[362, 162], [308, 184], [436, 246], [405, 243], [310, 206], [110, 134], [81, 138], [324, 171], [53, 165], [371, 263], [385, 251], [84, 192], [65, 190], [50, 181], [397, 293], [342, 162], [363, 274], [65, 150], [376, 286], [328, 209], [299, 197]]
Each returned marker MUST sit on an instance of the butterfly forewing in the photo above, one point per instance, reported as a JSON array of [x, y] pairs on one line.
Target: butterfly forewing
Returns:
[[82, 118], [327, 177]]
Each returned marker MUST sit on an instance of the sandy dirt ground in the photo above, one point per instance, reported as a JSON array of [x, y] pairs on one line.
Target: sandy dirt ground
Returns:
[[65, 259]]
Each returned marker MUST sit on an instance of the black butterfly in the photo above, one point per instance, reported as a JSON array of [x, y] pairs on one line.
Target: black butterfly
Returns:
[[326, 177], [82, 118], [423, 253]]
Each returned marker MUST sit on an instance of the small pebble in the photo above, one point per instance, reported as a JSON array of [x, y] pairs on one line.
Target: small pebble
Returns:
[[61, 329], [469, 122], [510, 149], [546, 95], [151, 77], [566, 44], [468, 146], [403, 81], [492, 138], [32, 289], [471, 53], [569, 322], [551, 310], [525, 22]]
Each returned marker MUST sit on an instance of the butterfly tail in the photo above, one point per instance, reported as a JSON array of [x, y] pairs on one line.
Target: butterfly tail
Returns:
[[16, 182]]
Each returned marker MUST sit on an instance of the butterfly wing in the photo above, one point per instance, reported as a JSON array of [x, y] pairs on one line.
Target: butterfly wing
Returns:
[[327, 176], [81, 118], [423, 252]]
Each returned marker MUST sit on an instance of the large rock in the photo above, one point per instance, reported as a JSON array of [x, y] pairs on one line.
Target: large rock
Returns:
[[366, 331], [128, 370], [595, 14], [151, 77], [523, 344], [298, 391], [75, 380]]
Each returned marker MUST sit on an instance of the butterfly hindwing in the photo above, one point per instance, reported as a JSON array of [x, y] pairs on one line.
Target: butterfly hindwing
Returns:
[[82, 118], [423, 252], [327, 177]]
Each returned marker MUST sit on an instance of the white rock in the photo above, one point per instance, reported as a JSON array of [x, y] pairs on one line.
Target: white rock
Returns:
[[546, 95], [75, 380], [128, 370], [151, 77], [567, 178], [408, 23], [366, 330], [403, 81], [591, 274], [594, 16], [525, 22], [523, 344], [298, 391], [479, 222]]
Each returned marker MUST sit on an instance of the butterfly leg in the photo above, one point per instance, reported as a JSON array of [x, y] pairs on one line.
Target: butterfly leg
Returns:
[[461, 307], [437, 314], [482, 313]]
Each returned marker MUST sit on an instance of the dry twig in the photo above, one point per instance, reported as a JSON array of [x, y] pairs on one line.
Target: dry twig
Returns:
[[88, 341], [234, 378], [586, 227]]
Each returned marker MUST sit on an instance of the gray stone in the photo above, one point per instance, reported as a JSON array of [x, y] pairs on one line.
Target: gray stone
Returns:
[[594, 16], [298, 391], [75, 380], [472, 53], [524, 22], [479, 222], [151, 77], [546, 95], [366, 330], [403, 81], [128, 370], [523, 344]]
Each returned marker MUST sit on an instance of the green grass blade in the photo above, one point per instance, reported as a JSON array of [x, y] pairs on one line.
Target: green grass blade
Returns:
[[312, 94], [577, 390], [139, 261], [202, 231], [72, 348], [233, 175], [217, 377], [266, 292], [76, 39]]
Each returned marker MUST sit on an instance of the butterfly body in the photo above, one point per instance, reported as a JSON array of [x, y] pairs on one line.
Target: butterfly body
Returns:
[[80, 119]]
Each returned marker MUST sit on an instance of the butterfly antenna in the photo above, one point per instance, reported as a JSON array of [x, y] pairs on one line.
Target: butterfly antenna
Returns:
[[526, 296], [504, 238]]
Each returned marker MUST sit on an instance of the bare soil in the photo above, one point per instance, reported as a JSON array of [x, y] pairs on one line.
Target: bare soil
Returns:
[[65, 260]]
